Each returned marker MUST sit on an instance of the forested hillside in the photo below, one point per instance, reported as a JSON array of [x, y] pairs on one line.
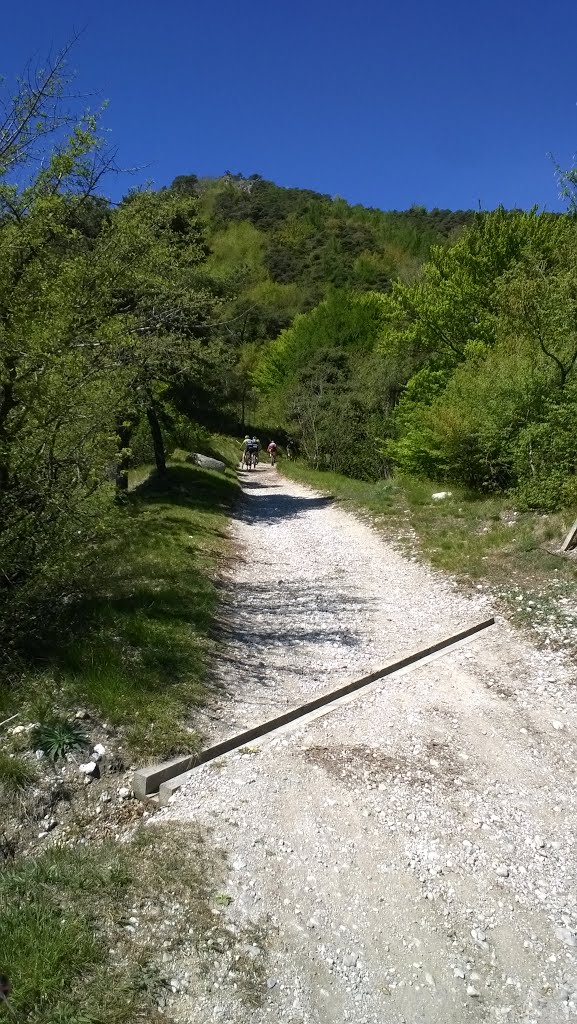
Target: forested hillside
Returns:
[[288, 247], [465, 373], [276, 252], [439, 343]]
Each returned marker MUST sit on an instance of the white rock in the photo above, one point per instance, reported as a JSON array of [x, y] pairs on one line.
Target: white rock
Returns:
[[566, 936], [459, 973], [87, 769], [18, 729], [556, 724], [439, 495], [39, 754], [124, 792], [503, 871], [473, 992], [99, 749]]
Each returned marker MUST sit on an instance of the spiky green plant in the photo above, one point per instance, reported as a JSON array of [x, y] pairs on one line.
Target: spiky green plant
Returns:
[[57, 736]]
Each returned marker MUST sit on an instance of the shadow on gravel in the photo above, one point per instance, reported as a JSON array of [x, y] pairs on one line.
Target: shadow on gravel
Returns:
[[266, 507], [256, 631]]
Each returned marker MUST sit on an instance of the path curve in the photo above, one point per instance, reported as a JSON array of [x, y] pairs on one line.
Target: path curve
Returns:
[[410, 856]]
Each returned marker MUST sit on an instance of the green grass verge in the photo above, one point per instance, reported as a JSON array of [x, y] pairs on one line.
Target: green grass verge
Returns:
[[478, 540], [136, 647], [64, 944]]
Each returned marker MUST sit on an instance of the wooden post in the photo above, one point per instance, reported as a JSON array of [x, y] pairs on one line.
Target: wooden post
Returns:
[[571, 539]]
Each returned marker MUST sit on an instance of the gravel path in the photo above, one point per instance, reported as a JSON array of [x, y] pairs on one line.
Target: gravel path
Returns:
[[409, 857]]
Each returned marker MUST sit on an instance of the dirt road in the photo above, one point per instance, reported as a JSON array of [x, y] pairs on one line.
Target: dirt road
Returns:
[[408, 858]]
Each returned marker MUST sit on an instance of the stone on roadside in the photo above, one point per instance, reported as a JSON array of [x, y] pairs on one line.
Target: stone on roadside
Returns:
[[205, 462], [440, 495]]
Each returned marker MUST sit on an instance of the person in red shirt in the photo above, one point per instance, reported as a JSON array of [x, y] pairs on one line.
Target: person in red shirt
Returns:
[[272, 452]]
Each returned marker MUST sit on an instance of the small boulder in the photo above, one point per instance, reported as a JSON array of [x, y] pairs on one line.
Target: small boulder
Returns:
[[441, 495], [205, 462]]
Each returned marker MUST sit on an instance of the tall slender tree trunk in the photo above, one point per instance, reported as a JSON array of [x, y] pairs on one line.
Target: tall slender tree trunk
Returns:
[[123, 432], [157, 441]]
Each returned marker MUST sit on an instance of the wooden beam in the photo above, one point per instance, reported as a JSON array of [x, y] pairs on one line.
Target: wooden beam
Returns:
[[570, 541], [149, 780]]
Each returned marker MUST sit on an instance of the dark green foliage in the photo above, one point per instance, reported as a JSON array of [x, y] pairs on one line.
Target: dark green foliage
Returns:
[[322, 379]]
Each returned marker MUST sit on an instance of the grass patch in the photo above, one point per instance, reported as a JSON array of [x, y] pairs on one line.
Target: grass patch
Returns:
[[63, 938], [16, 774], [477, 539], [135, 647]]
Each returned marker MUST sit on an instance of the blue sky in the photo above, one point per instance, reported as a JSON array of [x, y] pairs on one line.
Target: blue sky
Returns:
[[447, 104]]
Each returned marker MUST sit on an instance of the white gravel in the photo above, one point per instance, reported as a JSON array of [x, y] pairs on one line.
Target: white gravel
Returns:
[[409, 856]]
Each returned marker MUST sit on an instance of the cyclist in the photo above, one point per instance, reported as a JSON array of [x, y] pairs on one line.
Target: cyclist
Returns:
[[272, 452], [290, 449], [248, 450], [256, 442]]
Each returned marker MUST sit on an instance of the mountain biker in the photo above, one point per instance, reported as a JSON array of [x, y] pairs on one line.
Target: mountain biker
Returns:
[[272, 449], [256, 441], [249, 450]]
